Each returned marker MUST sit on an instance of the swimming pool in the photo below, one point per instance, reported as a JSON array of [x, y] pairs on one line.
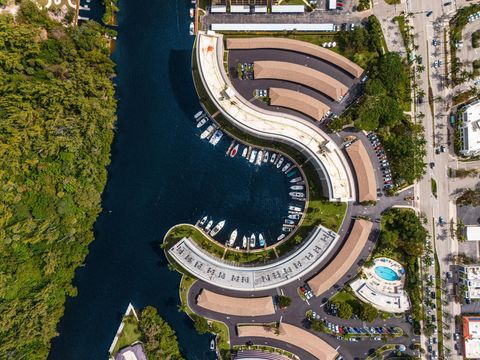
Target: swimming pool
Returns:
[[386, 273]]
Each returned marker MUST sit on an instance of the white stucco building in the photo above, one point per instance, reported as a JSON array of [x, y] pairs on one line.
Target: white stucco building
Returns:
[[470, 130]]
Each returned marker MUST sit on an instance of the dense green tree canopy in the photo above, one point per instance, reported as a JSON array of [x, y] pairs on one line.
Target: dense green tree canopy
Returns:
[[57, 112], [159, 338]]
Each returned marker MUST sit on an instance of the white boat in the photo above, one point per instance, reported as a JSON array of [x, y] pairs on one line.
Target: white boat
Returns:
[[286, 229], [216, 137], [278, 158], [249, 152], [202, 122], [294, 208], [294, 216], [244, 152], [203, 221], [244, 242], [298, 198], [297, 179], [261, 240], [230, 147], [233, 237], [280, 162], [286, 167], [265, 157], [296, 187], [191, 29], [209, 225], [295, 212], [259, 158], [234, 151], [217, 228], [192, 12], [212, 345], [253, 156], [296, 194], [289, 222], [280, 237], [198, 114], [207, 132], [274, 156], [253, 240]]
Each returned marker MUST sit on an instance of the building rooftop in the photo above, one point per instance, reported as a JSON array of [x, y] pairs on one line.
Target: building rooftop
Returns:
[[471, 129], [367, 185], [472, 232], [471, 334], [132, 352]]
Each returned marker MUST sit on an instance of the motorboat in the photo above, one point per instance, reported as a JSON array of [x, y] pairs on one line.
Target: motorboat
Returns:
[[244, 152], [212, 345], [286, 229], [191, 29], [265, 157], [261, 240], [202, 122], [296, 187], [216, 137], [278, 158], [259, 158], [253, 155], [297, 179], [217, 228], [281, 237], [234, 151], [289, 222], [294, 208], [209, 225], [298, 198], [230, 147], [244, 242], [273, 157], [233, 237], [192, 12], [203, 221], [280, 162], [292, 172], [286, 167], [253, 240], [295, 212], [198, 115], [296, 194], [249, 152], [207, 132], [294, 216]]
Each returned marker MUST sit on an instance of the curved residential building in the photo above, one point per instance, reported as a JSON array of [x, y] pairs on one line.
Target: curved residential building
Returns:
[[367, 185], [297, 46], [329, 161], [299, 74], [298, 101]]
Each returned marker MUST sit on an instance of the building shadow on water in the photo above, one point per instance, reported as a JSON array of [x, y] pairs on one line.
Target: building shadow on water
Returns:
[[181, 82]]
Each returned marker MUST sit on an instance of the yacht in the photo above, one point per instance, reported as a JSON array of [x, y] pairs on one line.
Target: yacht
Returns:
[[274, 156], [244, 152], [296, 194], [253, 240], [207, 132], [191, 29], [296, 187], [203, 221], [253, 155], [286, 229], [289, 222], [217, 228], [286, 167], [261, 240], [233, 237], [198, 114], [202, 122], [244, 242], [234, 151], [265, 157], [216, 137], [280, 237], [297, 179], [209, 225], [280, 162], [259, 158], [294, 216], [294, 208]]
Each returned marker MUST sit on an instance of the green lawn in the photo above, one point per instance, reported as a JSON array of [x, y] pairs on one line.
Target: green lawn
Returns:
[[130, 333]]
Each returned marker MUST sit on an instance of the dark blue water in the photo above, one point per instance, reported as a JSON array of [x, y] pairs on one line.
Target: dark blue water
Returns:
[[161, 174]]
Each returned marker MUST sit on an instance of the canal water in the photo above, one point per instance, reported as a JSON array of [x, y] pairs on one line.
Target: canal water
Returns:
[[161, 174]]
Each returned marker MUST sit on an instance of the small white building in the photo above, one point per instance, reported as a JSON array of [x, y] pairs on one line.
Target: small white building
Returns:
[[240, 9], [332, 4], [470, 279], [470, 130], [472, 232], [215, 9], [260, 9], [288, 9]]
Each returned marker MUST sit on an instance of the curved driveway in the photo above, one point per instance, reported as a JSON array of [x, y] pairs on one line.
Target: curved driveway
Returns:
[[313, 142]]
